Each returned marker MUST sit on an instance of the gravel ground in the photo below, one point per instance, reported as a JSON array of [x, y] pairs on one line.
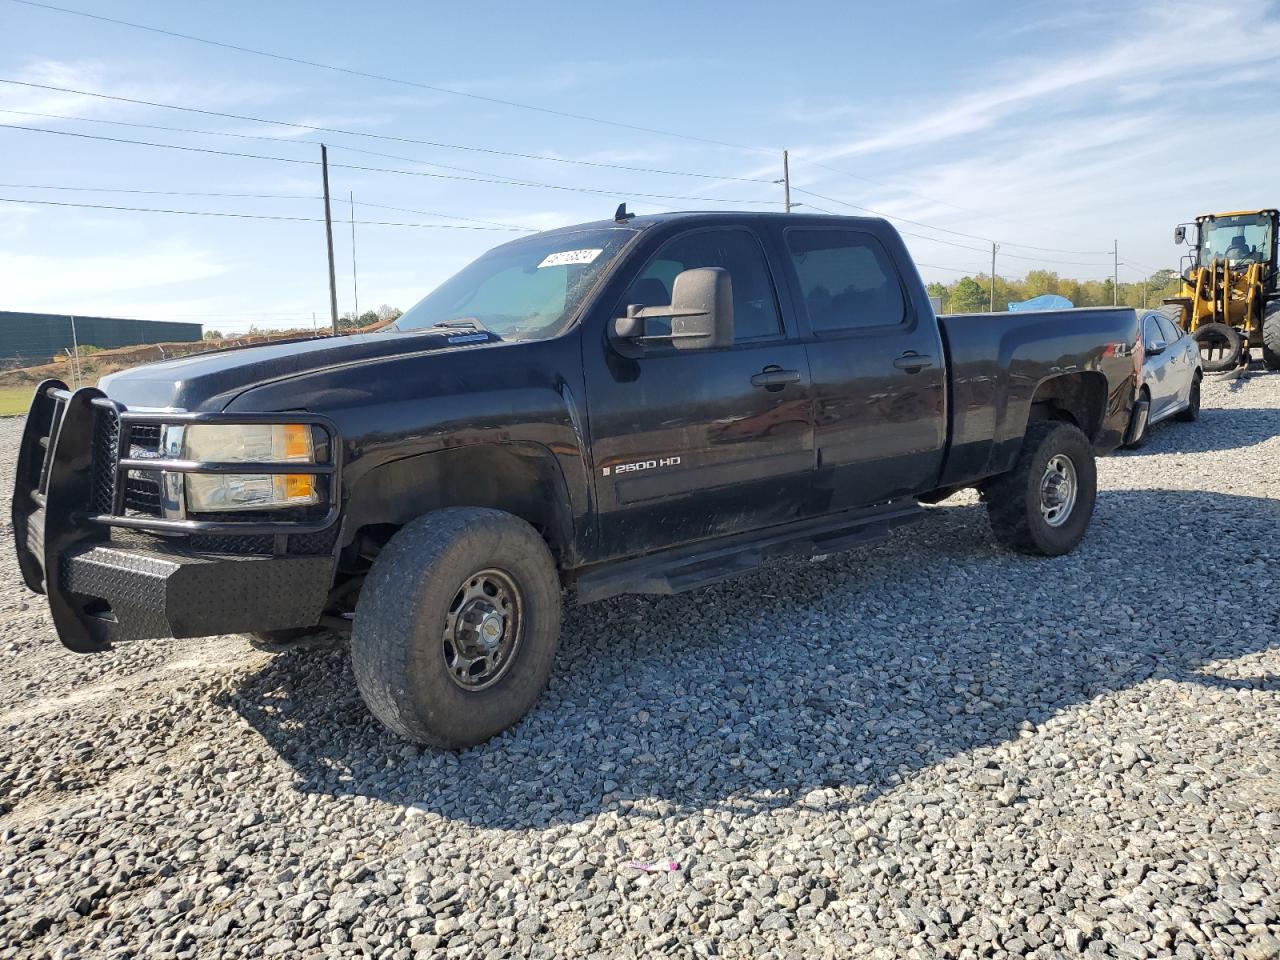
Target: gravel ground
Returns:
[[928, 747]]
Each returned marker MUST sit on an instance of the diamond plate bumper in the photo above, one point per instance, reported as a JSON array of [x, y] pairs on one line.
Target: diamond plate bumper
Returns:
[[138, 592]]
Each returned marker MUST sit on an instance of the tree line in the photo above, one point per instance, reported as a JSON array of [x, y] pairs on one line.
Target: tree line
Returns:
[[346, 321], [973, 294]]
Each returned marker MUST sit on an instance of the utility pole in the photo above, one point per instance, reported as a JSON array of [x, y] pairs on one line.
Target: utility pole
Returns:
[[355, 284], [994, 247], [786, 182], [328, 232], [1115, 273], [75, 362]]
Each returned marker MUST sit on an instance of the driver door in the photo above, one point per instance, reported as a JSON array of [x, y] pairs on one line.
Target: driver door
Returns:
[[692, 444]]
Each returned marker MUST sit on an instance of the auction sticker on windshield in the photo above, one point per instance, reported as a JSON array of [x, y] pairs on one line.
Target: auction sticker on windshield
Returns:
[[567, 257]]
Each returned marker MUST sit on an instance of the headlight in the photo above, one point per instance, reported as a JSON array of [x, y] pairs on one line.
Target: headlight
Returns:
[[247, 443]]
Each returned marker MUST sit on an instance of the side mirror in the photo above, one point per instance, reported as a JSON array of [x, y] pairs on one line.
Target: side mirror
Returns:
[[1156, 348], [701, 313], [1180, 234]]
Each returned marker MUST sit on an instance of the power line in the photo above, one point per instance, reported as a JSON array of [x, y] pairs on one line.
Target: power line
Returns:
[[527, 183], [360, 133], [527, 156], [1143, 266], [877, 213], [258, 196], [881, 183], [1050, 260], [389, 79], [935, 266], [929, 226], [246, 216], [621, 194], [253, 136], [446, 216], [947, 203], [949, 243]]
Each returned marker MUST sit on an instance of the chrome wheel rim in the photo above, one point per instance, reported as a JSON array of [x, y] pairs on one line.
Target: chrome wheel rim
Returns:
[[482, 630], [1058, 489]]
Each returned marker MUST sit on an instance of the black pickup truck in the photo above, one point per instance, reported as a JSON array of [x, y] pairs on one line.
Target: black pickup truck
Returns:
[[640, 405]]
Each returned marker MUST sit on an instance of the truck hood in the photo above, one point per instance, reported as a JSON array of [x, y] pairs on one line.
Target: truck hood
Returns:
[[209, 381]]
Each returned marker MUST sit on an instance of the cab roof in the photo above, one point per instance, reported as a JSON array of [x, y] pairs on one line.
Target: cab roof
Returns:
[[648, 220], [1238, 213]]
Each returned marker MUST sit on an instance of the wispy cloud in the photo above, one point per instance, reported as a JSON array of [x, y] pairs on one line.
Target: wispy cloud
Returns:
[[1171, 49], [1079, 140]]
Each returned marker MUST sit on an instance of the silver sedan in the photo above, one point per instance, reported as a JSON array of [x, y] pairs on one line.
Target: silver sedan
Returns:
[[1171, 373]]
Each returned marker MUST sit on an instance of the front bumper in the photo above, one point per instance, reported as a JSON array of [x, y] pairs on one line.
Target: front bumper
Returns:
[[134, 592], [113, 574]]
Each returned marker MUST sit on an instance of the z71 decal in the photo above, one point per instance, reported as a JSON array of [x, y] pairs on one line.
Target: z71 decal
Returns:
[[641, 465]]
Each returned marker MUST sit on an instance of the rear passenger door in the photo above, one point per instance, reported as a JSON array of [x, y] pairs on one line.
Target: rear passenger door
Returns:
[[1183, 354], [876, 359]]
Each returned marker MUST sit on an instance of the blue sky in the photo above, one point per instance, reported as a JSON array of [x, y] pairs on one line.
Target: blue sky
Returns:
[[1045, 125]]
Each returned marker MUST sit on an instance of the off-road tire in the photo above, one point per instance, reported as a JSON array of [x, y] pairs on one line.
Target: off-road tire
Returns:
[[1192, 413], [1234, 351], [397, 645], [1013, 499], [1271, 336], [1141, 439]]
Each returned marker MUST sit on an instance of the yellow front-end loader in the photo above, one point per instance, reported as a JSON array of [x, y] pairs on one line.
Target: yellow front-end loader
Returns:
[[1230, 298]]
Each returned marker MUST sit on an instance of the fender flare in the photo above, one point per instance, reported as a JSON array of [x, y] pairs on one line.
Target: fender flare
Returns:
[[520, 477]]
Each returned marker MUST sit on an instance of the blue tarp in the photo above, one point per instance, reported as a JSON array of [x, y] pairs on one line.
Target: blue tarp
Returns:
[[1048, 301]]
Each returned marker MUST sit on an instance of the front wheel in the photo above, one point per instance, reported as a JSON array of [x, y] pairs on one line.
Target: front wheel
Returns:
[[1271, 336], [1044, 504], [457, 626]]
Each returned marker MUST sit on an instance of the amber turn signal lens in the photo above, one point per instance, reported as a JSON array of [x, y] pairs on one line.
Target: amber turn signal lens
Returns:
[[299, 486], [297, 441]]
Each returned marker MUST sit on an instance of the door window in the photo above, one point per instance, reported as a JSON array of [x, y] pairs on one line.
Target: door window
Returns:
[[1171, 332], [755, 308], [847, 280]]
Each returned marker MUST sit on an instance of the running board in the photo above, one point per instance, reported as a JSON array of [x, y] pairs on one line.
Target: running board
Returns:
[[711, 561]]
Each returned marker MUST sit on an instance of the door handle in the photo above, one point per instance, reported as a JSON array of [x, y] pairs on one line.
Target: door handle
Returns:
[[772, 377], [913, 362]]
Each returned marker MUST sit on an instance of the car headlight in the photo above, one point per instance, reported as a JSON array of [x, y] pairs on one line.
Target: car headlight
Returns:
[[247, 443]]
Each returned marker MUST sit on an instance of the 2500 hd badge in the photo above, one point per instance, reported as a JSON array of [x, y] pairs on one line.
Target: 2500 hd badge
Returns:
[[641, 465]]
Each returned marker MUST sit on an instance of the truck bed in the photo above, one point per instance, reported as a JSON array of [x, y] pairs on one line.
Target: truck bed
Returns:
[[997, 360]]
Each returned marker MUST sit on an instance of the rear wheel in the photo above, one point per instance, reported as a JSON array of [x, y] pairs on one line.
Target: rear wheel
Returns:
[[457, 626], [1271, 336], [1044, 504], [1221, 346], [1193, 403]]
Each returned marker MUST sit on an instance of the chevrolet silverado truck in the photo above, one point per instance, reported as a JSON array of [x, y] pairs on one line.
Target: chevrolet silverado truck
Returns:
[[639, 405]]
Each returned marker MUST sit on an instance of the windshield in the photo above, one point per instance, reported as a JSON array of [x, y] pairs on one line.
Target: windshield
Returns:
[[1241, 239], [524, 290]]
